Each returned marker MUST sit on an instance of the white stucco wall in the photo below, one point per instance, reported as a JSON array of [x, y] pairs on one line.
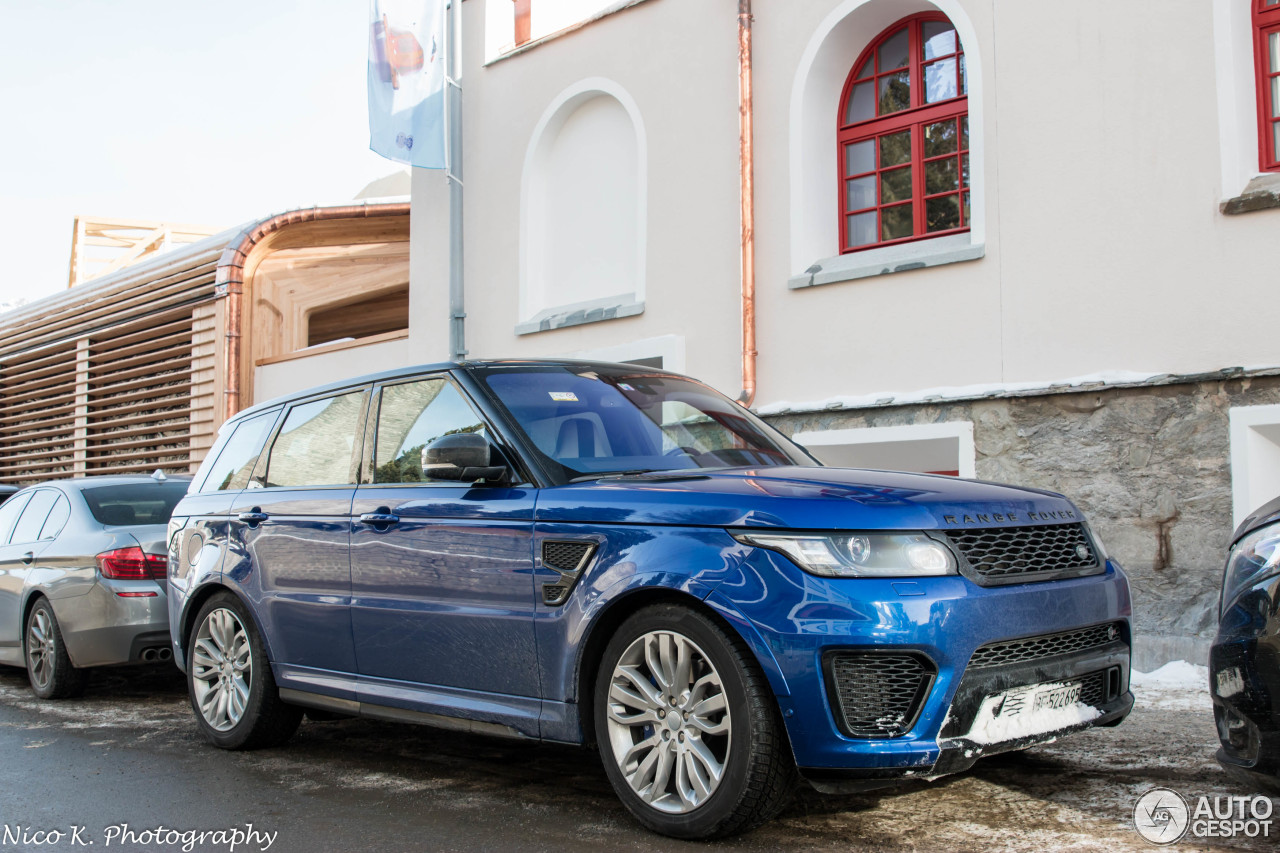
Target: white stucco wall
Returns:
[[298, 374], [1105, 137]]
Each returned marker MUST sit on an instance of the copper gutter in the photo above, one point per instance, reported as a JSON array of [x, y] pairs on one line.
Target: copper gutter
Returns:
[[229, 279], [746, 165]]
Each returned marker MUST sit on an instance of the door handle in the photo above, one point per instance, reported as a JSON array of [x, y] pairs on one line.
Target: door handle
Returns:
[[28, 558], [253, 517], [376, 518]]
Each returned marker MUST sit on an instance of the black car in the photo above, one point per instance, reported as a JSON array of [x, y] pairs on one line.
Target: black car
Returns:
[[1244, 663], [7, 492]]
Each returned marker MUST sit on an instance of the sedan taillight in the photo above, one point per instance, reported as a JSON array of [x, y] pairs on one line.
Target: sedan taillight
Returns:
[[130, 564]]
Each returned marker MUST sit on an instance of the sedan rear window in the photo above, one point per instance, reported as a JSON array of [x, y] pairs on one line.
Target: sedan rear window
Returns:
[[135, 503]]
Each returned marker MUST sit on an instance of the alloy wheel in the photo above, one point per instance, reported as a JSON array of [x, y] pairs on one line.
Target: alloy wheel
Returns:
[[668, 721], [222, 669], [40, 649]]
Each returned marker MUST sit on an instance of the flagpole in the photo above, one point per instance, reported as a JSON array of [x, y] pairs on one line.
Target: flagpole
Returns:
[[453, 176]]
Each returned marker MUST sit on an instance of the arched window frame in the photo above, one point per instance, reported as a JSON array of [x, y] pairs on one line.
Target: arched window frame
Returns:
[[1266, 53], [921, 201]]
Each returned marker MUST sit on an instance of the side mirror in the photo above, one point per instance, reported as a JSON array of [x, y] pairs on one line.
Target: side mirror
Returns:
[[462, 456]]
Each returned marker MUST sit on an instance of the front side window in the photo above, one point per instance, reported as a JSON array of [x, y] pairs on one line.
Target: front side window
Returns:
[[317, 443], [904, 137], [585, 422], [1266, 24], [411, 416]]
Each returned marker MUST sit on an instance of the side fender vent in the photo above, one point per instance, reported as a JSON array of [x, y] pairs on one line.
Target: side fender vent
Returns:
[[569, 558]]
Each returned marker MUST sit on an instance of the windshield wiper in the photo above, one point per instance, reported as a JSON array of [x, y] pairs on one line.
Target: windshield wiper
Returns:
[[587, 477]]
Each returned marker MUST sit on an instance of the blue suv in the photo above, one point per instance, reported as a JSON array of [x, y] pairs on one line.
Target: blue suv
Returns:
[[618, 556]]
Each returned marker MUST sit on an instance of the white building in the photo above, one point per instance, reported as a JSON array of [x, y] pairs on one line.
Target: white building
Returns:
[[1020, 241]]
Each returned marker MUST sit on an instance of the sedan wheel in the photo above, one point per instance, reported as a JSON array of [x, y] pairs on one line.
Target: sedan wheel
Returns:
[[49, 667], [221, 669], [688, 727], [229, 677]]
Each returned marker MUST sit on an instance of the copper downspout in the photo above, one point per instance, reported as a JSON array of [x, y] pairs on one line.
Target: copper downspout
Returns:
[[229, 279], [746, 164]]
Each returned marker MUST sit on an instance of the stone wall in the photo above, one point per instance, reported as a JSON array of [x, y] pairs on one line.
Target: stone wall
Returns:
[[1150, 466]]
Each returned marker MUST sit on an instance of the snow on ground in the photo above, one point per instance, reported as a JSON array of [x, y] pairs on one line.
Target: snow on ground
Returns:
[[1176, 686]]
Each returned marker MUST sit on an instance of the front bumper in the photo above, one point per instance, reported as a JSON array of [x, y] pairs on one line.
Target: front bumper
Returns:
[[943, 621], [1244, 683], [957, 752]]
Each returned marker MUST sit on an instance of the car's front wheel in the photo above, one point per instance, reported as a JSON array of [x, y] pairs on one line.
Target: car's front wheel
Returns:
[[232, 690], [688, 728], [49, 667]]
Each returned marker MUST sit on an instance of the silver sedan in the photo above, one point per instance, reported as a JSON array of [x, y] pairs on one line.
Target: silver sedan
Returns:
[[83, 573]]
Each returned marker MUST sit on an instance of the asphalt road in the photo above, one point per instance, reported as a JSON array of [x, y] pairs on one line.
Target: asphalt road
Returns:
[[128, 752]]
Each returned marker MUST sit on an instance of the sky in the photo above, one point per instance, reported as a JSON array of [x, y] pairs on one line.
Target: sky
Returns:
[[197, 113]]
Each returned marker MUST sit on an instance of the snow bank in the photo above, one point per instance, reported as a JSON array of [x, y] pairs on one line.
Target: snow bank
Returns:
[[1176, 686]]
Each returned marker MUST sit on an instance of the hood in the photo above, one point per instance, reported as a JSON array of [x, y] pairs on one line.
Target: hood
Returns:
[[803, 498], [1260, 517]]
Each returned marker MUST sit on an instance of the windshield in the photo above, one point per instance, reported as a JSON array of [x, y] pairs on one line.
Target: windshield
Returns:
[[591, 421]]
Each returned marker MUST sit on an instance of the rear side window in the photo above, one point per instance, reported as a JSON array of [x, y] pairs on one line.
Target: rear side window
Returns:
[[234, 463], [34, 516], [316, 445], [124, 504], [57, 519], [9, 513]]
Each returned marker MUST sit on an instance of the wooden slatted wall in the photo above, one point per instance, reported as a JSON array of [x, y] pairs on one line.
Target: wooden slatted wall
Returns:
[[139, 398], [37, 416], [118, 378]]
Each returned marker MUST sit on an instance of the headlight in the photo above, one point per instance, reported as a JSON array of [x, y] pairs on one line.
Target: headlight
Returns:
[[859, 555], [1254, 558]]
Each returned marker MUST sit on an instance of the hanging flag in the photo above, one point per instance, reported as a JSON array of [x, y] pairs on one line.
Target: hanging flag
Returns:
[[406, 81]]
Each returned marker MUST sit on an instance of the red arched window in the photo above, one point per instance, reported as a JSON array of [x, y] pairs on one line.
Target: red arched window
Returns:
[[904, 137], [1266, 54]]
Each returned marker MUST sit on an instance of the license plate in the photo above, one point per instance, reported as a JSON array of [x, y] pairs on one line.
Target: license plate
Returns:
[[1059, 697]]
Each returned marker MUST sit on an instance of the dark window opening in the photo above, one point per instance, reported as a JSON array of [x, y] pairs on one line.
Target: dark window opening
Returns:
[[376, 315]]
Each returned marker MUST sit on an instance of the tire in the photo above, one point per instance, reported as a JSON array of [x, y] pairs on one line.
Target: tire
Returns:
[[49, 667], [229, 680], [662, 728]]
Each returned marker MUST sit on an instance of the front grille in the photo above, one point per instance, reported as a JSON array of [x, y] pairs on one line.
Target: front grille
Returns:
[[1045, 646], [564, 556], [877, 695], [1005, 555], [1093, 689]]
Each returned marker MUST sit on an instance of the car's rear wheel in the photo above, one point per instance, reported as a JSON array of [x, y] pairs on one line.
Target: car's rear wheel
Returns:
[[232, 690], [688, 727], [49, 667]]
